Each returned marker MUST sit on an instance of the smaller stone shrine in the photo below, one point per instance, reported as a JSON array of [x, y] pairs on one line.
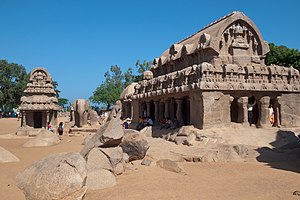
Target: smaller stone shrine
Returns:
[[39, 104]]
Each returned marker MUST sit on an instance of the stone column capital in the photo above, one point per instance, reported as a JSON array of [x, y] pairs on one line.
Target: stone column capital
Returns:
[[265, 100], [243, 101], [178, 100]]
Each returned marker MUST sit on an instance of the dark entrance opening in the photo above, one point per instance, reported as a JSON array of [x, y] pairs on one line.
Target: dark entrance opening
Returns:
[[152, 110], [234, 110], [253, 111], [37, 119], [185, 111]]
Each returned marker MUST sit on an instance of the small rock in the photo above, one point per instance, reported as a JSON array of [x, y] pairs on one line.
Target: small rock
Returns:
[[148, 162], [170, 166]]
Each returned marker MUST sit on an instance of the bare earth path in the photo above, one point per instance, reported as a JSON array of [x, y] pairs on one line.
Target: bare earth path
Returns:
[[249, 180]]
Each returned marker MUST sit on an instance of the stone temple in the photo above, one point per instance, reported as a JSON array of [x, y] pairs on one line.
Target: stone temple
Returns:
[[39, 104], [213, 77]]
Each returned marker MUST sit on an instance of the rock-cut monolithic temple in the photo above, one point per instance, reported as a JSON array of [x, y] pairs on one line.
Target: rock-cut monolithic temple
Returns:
[[39, 104], [217, 76]]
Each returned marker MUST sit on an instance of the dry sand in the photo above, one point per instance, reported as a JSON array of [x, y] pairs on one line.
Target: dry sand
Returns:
[[249, 180]]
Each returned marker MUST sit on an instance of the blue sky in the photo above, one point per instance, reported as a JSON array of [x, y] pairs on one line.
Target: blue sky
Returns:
[[77, 41]]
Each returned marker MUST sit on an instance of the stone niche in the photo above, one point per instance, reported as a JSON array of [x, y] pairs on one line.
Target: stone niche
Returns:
[[39, 104]]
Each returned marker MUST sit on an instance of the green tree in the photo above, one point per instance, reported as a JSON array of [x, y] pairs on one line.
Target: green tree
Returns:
[[109, 90], [13, 80], [62, 102], [281, 55], [55, 85], [128, 77], [141, 68]]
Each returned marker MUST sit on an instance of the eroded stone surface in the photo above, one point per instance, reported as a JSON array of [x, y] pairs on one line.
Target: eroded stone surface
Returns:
[[100, 179], [6, 156], [135, 145], [56, 176], [43, 139]]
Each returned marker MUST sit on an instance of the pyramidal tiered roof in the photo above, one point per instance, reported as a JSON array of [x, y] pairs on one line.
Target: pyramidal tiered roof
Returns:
[[39, 93]]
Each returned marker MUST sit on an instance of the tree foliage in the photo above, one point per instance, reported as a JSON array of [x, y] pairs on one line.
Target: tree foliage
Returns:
[[283, 56], [55, 85], [62, 102], [115, 81], [13, 80], [110, 89], [141, 68]]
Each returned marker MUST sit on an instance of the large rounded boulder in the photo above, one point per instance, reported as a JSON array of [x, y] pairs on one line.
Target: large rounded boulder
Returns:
[[135, 145], [44, 138], [58, 176]]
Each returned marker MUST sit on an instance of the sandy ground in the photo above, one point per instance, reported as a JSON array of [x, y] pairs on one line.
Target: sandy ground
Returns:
[[249, 180]]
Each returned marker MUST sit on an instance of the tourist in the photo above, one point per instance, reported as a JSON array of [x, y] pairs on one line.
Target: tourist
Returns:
[[166, 123], [125, 124], [271, 115], [60, 130], [50, 127], [149, 121], [141, 124], [169, 123], [163, 122], [175, 124]]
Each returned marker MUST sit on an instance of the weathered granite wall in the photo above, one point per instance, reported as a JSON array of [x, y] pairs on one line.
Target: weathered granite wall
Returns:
[[290, 110], [216, 107]]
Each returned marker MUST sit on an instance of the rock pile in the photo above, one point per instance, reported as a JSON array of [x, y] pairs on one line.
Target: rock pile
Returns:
[[69, 175]]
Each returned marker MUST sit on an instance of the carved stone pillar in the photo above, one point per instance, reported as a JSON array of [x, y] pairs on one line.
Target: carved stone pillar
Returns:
[[179, 110], [156, 112], [47, 119], [167, 112], [172, 109], [276, 108], [48, 116], [126, 109], [243, 110], [264, 118], [148, 109], [135, 110], [161, 110]]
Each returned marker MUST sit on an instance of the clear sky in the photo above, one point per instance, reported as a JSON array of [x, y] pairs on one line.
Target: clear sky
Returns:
[[77, 41]]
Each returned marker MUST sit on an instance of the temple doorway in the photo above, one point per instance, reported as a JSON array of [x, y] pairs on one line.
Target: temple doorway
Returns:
[[37, 120], [234, 111], [152, 110], [253, 111], [186, 111]]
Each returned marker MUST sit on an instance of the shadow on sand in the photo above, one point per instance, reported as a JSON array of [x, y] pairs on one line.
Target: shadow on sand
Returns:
[[284, 155]]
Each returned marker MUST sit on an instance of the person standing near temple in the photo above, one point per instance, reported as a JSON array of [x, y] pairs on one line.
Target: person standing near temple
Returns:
[[60, 130]]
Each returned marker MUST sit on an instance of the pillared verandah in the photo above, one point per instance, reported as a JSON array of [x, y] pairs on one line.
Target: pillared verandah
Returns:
[[217, 76]]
